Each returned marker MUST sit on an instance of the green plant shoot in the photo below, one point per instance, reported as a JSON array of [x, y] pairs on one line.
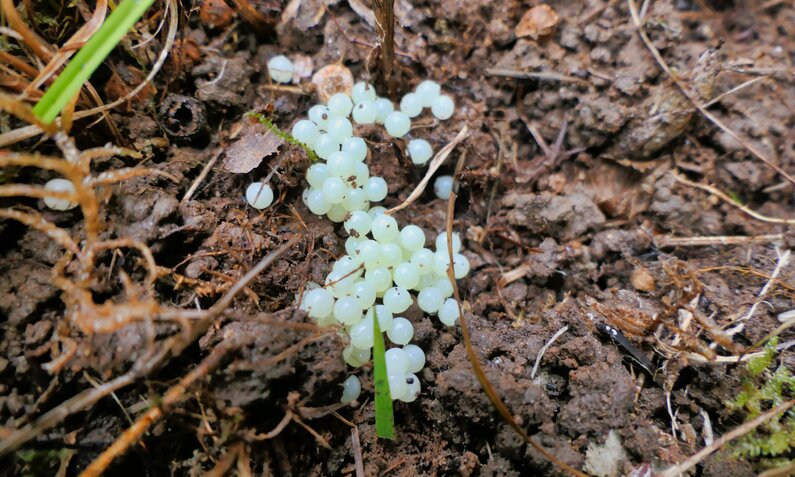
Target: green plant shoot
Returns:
[[384, 418], [88, 59]]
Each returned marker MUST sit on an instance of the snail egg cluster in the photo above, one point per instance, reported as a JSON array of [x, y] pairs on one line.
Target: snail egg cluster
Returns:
[[387, 268]]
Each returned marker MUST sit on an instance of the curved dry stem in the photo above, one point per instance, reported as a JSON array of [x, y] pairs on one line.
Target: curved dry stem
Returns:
[[108, 150], [36, 221], [118, 175], [49, 163], [22, 111], [35, 192], [437, 161]]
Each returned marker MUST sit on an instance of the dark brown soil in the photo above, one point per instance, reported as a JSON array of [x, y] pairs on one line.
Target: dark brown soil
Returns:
[[585, 227]]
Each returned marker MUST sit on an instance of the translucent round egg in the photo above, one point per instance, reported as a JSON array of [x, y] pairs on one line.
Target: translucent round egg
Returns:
[[443, 284], [326, 145], [441, 242], [430, 299], [355, 357], [441, 262], [347, 310], [361, 334], [340, 283], [258, 195], [368, 252], [423, 260], [317, 203], [318, 303], [362, 92], [376, 211], [397, 300], [448, 312], [384, 316], [385, 229], [334, 190], [420, 151], [397, 124], [319, 115], [443, 187], [414, 388], [306, 132], [391, 255], [406, 276], [341, 165], [442, 107], [364, 293], [316, 175], [350, 246], [355, 199], [412, 238], [337, 213], [64, 185], [428, 91], [397, 361], [383, 107], [376, 189], [398, 387], [401, 332], [416, 358], [280, 69], [358, 224], [351, 389], [411, 105], [356, 148], [364, 113], [340, 129], [361, 173], [339, 104], [345, 264], [379, 277]]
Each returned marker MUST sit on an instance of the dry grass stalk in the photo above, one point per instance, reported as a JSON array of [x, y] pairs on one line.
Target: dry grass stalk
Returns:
[[437, 161], [724, 197], [669, 241]]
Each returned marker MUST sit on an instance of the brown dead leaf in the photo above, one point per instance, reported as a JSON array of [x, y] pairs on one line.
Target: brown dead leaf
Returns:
[[255, 143], [537, 22]]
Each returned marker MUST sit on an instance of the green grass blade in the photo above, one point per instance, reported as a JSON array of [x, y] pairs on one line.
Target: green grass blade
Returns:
[[88, 59], [384, 418]]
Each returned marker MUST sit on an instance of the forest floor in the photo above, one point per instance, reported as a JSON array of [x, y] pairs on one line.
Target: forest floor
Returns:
[[582, 202]]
